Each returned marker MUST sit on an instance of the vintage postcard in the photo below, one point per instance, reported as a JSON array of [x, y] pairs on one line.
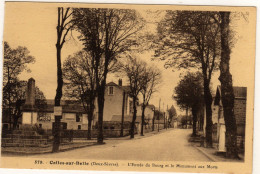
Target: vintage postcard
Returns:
[[120, 87]]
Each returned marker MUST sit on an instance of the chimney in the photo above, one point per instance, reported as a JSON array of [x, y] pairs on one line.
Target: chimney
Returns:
[[120, 82], [30, 93]]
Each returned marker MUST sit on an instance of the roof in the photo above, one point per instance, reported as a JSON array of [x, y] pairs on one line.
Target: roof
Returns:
[[239, 93], [112, 84], [68, 106], [124, 88]]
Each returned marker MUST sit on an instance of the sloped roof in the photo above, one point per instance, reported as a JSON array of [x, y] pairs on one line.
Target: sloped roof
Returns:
[[112, 84], [124, 88], [239, 93]]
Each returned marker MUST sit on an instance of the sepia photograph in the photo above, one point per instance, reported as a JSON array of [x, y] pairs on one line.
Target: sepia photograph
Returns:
[[122, 87]]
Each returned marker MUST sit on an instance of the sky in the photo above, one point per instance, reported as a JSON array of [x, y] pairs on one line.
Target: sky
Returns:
[[33, 26]]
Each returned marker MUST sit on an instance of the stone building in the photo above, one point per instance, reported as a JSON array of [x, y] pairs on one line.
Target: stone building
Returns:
[[240, 94]]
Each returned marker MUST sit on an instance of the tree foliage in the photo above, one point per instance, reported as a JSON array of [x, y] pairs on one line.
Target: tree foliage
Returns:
[[189, 94], [80, 82], [107, 34], [189, 91], [172, 113], [15, 62], [135, 70], [150, 84], [191, 39]]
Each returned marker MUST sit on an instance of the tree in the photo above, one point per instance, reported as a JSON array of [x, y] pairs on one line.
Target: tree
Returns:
[[191, 39], [227, 94], [106, 35], [151, 80], [79, 74], [189, 94], [64, 25], [15, 62], [134, 70], [172, 113]]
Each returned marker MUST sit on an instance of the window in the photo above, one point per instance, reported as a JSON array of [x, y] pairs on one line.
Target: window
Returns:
[[79, 127], [111, 90], [78, 117]]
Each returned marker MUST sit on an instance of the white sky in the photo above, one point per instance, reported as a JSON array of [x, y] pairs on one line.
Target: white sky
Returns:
[[34, 27]]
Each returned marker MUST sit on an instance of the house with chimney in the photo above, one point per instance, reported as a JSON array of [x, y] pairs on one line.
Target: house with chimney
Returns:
[[73, 113], [118, 109], [118, 106]]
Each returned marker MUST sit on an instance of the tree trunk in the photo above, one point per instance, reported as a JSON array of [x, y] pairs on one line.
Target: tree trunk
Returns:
[[227, 94], [56, 141], [123, 115], [153, 124], [101, 101], [142, 126], [187, 118], [208, 103], [132, 131], [194, 114], [59, 77], [90, 118]]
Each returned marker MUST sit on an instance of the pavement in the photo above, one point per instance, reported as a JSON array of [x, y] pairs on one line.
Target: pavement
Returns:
[[167, 145]]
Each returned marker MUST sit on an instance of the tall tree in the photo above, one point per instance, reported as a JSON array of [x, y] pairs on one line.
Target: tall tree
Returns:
[[189, 94], [134, 70], [191, 39], [64, 25], [227, 93], [106, 34], [151, 80], [172, 113], [80, 82], [15, 62]]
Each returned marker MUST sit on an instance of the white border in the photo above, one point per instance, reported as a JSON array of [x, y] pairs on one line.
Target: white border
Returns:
[[256, 149]]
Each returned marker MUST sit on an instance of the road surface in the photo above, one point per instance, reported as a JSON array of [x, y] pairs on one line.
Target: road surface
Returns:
[[170, 145]]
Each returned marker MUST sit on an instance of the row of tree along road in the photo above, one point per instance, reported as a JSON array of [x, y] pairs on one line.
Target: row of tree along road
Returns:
[[112, 37]]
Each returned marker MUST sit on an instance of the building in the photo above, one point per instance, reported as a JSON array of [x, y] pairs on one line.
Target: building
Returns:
[[240, 94], [74, 116], [118, 102]]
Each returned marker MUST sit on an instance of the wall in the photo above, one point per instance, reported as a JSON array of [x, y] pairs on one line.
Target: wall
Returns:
[[113, 103], [69, 118], [240, 113]]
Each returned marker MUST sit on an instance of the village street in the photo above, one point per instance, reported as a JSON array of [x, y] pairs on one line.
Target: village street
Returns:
[[170, 145]]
